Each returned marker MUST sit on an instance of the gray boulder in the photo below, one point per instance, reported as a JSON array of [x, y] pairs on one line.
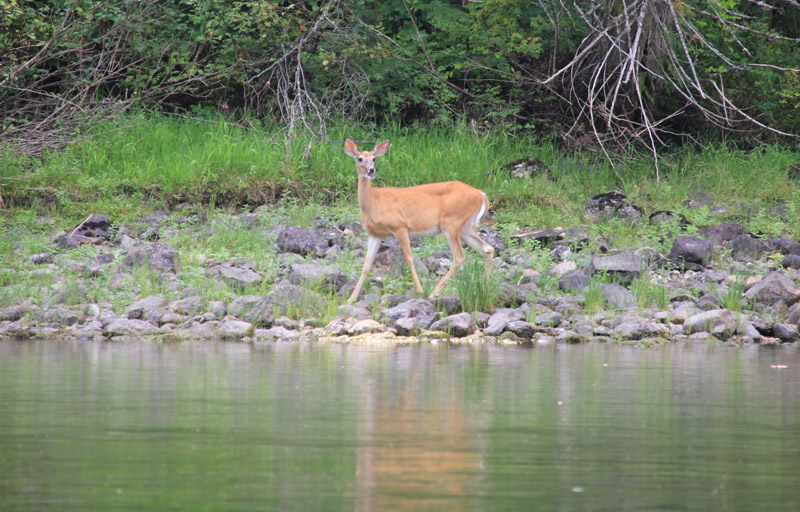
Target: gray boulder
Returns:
[[791, 261], [327, 277], [747, 247], [346, 311], [774, 287], [129, 327], [159, 257], [617, 296], [189, 306], [499, 321], [238, 277], [232, 329], [410, 315], [719, 322], [622, 266], [785, 332], [17, 311], [242, 305], [574, 282], [459, 325], [632, 327], [42, 258], [612, 204], [299, 241], [721, 233], [522, 329], [138, 309], [691, 250]]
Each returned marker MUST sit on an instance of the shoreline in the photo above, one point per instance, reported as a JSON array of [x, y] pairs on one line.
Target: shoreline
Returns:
[[147, 280]]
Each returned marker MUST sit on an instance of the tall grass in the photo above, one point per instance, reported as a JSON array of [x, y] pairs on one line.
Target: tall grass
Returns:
[[135, 164]]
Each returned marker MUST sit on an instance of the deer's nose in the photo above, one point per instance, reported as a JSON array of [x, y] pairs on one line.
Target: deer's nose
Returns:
[[371, 170]]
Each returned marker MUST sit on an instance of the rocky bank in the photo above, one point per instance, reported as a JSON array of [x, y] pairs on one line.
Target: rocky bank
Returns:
[[718, 284]]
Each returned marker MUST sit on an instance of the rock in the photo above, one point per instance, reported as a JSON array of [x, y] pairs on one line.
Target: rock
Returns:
[[622, 266], [514, 295], [286, 300], [163, 316], [661, 217], [188, 306], [232, 329], [347, 311], [94, 229], [138, 309], [42, 258], [794, 315], [612, 204], [277, 333], [217, 308], [498, 322], [681, 313], [575, 237], [299, 241], [129, 327], [522, 329], [747, 248], [242, 305], [692, 250], [721, 233], [617, 296], [492, 236], [544, 237], [325, 277], [552, 319], [238, 277], [527, 168], [631, 327], [791, 261], [159, 257], [719, 322], [783, 210], [785, 332], [451, 304], [574, 282], [785, 245], [249, 220], [410, 315], [564, 268], [774, 287], [14, 313], [365, 326], [58, 316], [458, 325]]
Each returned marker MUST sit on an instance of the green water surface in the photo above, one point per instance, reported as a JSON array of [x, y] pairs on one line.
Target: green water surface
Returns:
[[307, 426]]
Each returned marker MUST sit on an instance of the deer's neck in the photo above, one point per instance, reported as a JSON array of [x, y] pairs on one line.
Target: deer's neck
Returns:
[[365, 194]]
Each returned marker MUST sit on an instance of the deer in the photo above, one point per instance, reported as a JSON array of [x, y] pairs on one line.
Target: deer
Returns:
[[453, 208]]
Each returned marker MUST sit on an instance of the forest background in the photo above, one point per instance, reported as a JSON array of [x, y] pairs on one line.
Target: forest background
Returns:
[[602, 73], [625, 81]]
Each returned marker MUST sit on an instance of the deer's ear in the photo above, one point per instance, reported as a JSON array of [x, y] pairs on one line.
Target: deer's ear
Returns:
[[380, 149], [350, 148]]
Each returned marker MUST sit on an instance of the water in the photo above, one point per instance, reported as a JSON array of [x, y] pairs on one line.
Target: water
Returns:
[[305, 426]]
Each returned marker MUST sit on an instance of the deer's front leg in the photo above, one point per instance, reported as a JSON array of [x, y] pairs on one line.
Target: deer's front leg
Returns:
[[373, 244]]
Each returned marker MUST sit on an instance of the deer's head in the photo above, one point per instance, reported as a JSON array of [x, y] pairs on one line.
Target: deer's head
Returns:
[[365, 160]]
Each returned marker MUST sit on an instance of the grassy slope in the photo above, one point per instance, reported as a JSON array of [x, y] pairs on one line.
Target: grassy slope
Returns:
[[139, 164], [147, 163]]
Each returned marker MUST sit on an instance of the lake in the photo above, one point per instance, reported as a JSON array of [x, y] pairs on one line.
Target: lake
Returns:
[[219, 426]]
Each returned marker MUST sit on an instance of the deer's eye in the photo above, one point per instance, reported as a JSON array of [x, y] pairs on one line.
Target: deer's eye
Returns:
[[361, 159]]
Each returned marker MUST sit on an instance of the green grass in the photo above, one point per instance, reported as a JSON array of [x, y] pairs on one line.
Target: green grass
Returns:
[[477, 288], [138, 163]]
